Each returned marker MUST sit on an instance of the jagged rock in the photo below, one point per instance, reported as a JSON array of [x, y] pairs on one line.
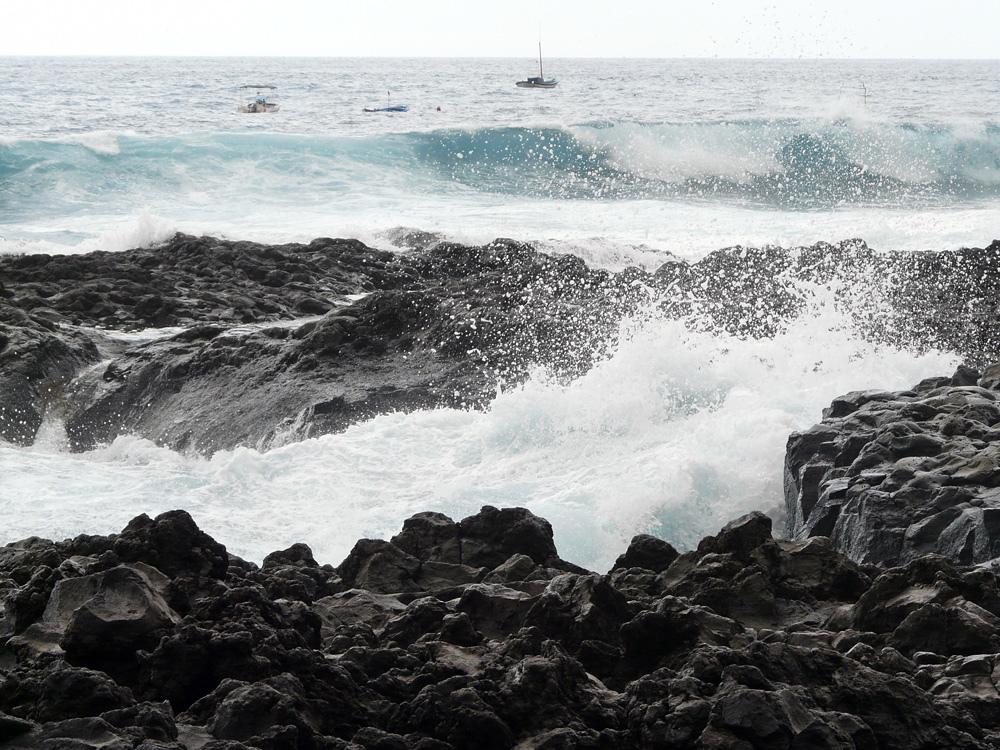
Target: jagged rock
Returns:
[[24, 603], [356, 606], [11, 727], [37, 361], [580, 611], [739, 537], [550, 691], [381, 567], [430, 536], [58, 691], [453, 712], [173, 544], [890, 477], [100, 620], [648, 552], [491, 536], [746, 641], [421, 616], [80, 734], [514, 569], [144, 721], [249, 711], [294, 574], [495, 609], [376, 739]]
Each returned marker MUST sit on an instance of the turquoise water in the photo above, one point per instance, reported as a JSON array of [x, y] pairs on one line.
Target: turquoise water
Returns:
[[624, 162], [677, 155]]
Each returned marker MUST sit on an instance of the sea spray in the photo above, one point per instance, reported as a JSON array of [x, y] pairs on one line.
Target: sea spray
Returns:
[[676, 432], [626, 163], [687, 187]]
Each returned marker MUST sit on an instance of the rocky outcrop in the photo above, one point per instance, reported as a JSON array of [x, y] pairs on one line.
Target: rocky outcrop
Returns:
[[890, 477], [476, 634], [323, 335], [37, 362], [914, 300], [316, 336]]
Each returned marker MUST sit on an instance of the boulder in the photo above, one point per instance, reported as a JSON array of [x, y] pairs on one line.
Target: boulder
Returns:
[[430, 537], [495, 609], [380, 567], [356, 606], [173, 544], [106, 617], [57, 691], [574, 609], [491, 536], [647, 552]]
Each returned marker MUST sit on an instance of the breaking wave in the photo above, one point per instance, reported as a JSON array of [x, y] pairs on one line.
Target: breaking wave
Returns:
[[783, 164]]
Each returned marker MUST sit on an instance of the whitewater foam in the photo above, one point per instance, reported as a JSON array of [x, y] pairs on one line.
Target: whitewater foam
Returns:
[[674, 434], [688, 188], [625, 163]]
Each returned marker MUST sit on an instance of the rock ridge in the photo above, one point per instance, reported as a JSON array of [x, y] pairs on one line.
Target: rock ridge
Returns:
[[892, 476], [169, 343]]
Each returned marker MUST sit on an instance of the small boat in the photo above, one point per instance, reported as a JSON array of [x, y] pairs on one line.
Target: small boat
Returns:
[[538, 82], [388, 107], [258, 103]]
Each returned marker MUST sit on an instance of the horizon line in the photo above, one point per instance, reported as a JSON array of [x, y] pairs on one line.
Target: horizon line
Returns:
[[483, 57]]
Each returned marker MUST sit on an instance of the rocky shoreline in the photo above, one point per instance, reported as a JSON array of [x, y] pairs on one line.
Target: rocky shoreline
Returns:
[[476, 634], [890, 477], [872, 621], [173, 343]]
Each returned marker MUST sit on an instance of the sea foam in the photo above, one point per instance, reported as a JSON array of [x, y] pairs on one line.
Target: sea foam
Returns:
[[675, 433]]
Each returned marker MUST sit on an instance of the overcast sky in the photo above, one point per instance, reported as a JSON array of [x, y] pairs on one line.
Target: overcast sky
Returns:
[[448, 28]]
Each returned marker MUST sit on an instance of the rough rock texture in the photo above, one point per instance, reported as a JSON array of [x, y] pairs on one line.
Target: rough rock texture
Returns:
[[316, 336], [474, 634], [322, 335], [890, 477], [37, 361]]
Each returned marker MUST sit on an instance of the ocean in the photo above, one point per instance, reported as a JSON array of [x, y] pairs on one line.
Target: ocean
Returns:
[[626, 162]]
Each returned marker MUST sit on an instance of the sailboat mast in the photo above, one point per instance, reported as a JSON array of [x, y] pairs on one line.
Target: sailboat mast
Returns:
[[540, 74]]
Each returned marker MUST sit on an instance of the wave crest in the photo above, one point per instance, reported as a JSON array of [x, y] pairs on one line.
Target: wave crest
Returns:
[[772, 163]]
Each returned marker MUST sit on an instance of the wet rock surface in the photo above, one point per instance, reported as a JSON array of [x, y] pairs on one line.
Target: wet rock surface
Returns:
[[312, 337], [474, 633], [890, 477], [261, 345]]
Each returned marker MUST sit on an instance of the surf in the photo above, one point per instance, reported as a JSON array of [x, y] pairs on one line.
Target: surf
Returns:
[[674, 432]]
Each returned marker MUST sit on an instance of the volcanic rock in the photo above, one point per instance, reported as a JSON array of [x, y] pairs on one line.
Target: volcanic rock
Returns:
[[321, 336], [890, 477], [647, 552], [745, 641], [317, 336]]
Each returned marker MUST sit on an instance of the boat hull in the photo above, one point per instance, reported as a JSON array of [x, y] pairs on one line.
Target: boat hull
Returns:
[[536, 84], [246, 109]]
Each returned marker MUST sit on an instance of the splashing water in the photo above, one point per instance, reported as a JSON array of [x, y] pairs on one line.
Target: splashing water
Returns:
[[674, 434]]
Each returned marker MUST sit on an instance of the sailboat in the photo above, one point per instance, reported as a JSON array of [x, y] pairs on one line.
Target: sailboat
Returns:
[[538, 82]]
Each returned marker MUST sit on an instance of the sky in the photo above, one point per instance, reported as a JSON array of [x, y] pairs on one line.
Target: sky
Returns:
[[448, 28]]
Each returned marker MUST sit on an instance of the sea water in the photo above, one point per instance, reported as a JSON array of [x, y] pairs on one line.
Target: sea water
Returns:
[[625, 163]]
